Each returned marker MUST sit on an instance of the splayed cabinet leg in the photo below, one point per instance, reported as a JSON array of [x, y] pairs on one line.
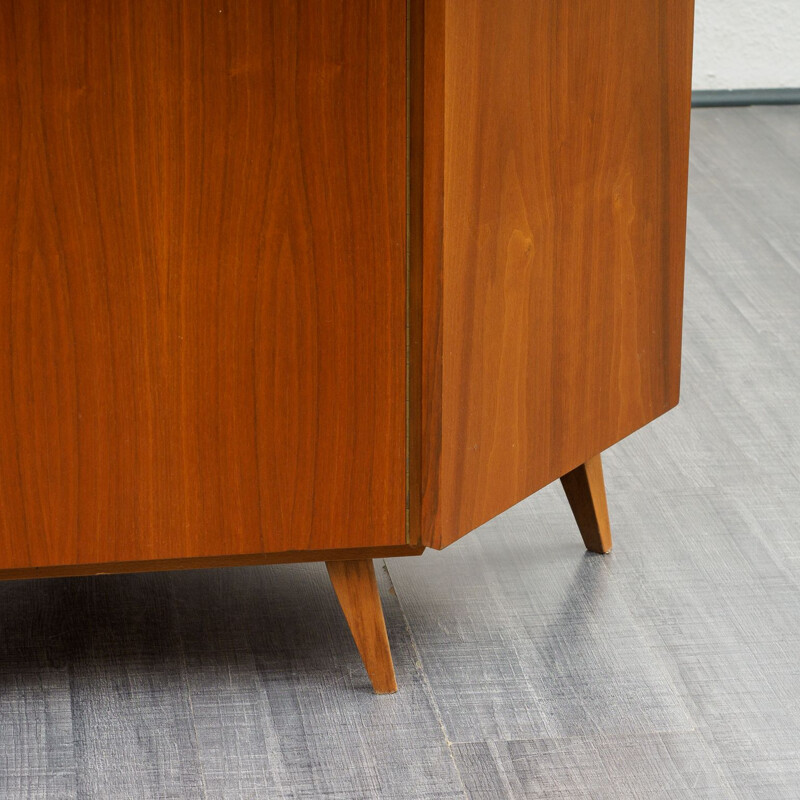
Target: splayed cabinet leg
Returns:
[[586, 492], [355, 586]]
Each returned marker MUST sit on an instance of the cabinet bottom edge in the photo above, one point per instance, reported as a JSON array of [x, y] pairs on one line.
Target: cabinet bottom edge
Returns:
[[207, 562]]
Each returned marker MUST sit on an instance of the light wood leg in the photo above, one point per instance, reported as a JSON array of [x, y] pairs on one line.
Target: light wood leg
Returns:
[[355, 586], [586, 492]]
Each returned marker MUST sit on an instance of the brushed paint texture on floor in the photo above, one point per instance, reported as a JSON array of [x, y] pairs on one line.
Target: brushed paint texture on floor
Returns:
[[527, 668]]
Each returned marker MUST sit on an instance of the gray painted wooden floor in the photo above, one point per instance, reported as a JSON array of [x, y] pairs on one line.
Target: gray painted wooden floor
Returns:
[[528, 668]]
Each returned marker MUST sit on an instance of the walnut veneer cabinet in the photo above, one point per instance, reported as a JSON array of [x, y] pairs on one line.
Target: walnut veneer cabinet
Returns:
[[293, 280]]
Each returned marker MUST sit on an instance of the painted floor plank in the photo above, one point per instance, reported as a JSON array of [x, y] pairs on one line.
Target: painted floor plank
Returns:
[[37, 754], [658, 766], [134, 733], [282, 704], [524, 635]]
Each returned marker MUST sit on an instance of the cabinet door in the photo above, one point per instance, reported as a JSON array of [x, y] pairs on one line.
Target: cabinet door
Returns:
[[556, 138], [202, 278]]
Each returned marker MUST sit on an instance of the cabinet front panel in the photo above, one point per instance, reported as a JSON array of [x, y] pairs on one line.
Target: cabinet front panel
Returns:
[[202, 278], [555, 325]]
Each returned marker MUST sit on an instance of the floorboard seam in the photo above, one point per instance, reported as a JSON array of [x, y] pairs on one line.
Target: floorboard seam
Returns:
[[425, 682], [189, 697]]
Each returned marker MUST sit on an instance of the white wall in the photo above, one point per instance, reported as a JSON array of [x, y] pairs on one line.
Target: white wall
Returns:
[[746, 44]]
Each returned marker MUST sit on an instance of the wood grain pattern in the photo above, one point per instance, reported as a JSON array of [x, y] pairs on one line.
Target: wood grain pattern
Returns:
[[202, 278], [355, 586], [553, 300], [586, 493]]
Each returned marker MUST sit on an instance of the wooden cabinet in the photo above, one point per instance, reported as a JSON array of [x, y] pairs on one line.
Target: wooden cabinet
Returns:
[[328, 279]]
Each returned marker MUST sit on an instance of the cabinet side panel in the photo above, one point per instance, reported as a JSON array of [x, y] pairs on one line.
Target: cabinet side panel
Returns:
[[566, 132], [202, 278]]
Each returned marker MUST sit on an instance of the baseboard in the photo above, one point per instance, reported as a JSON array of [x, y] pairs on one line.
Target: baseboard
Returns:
[[706, 98]]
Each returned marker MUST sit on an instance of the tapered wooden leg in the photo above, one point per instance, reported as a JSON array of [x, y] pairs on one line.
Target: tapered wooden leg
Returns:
[[586, 492], [355, 586]]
